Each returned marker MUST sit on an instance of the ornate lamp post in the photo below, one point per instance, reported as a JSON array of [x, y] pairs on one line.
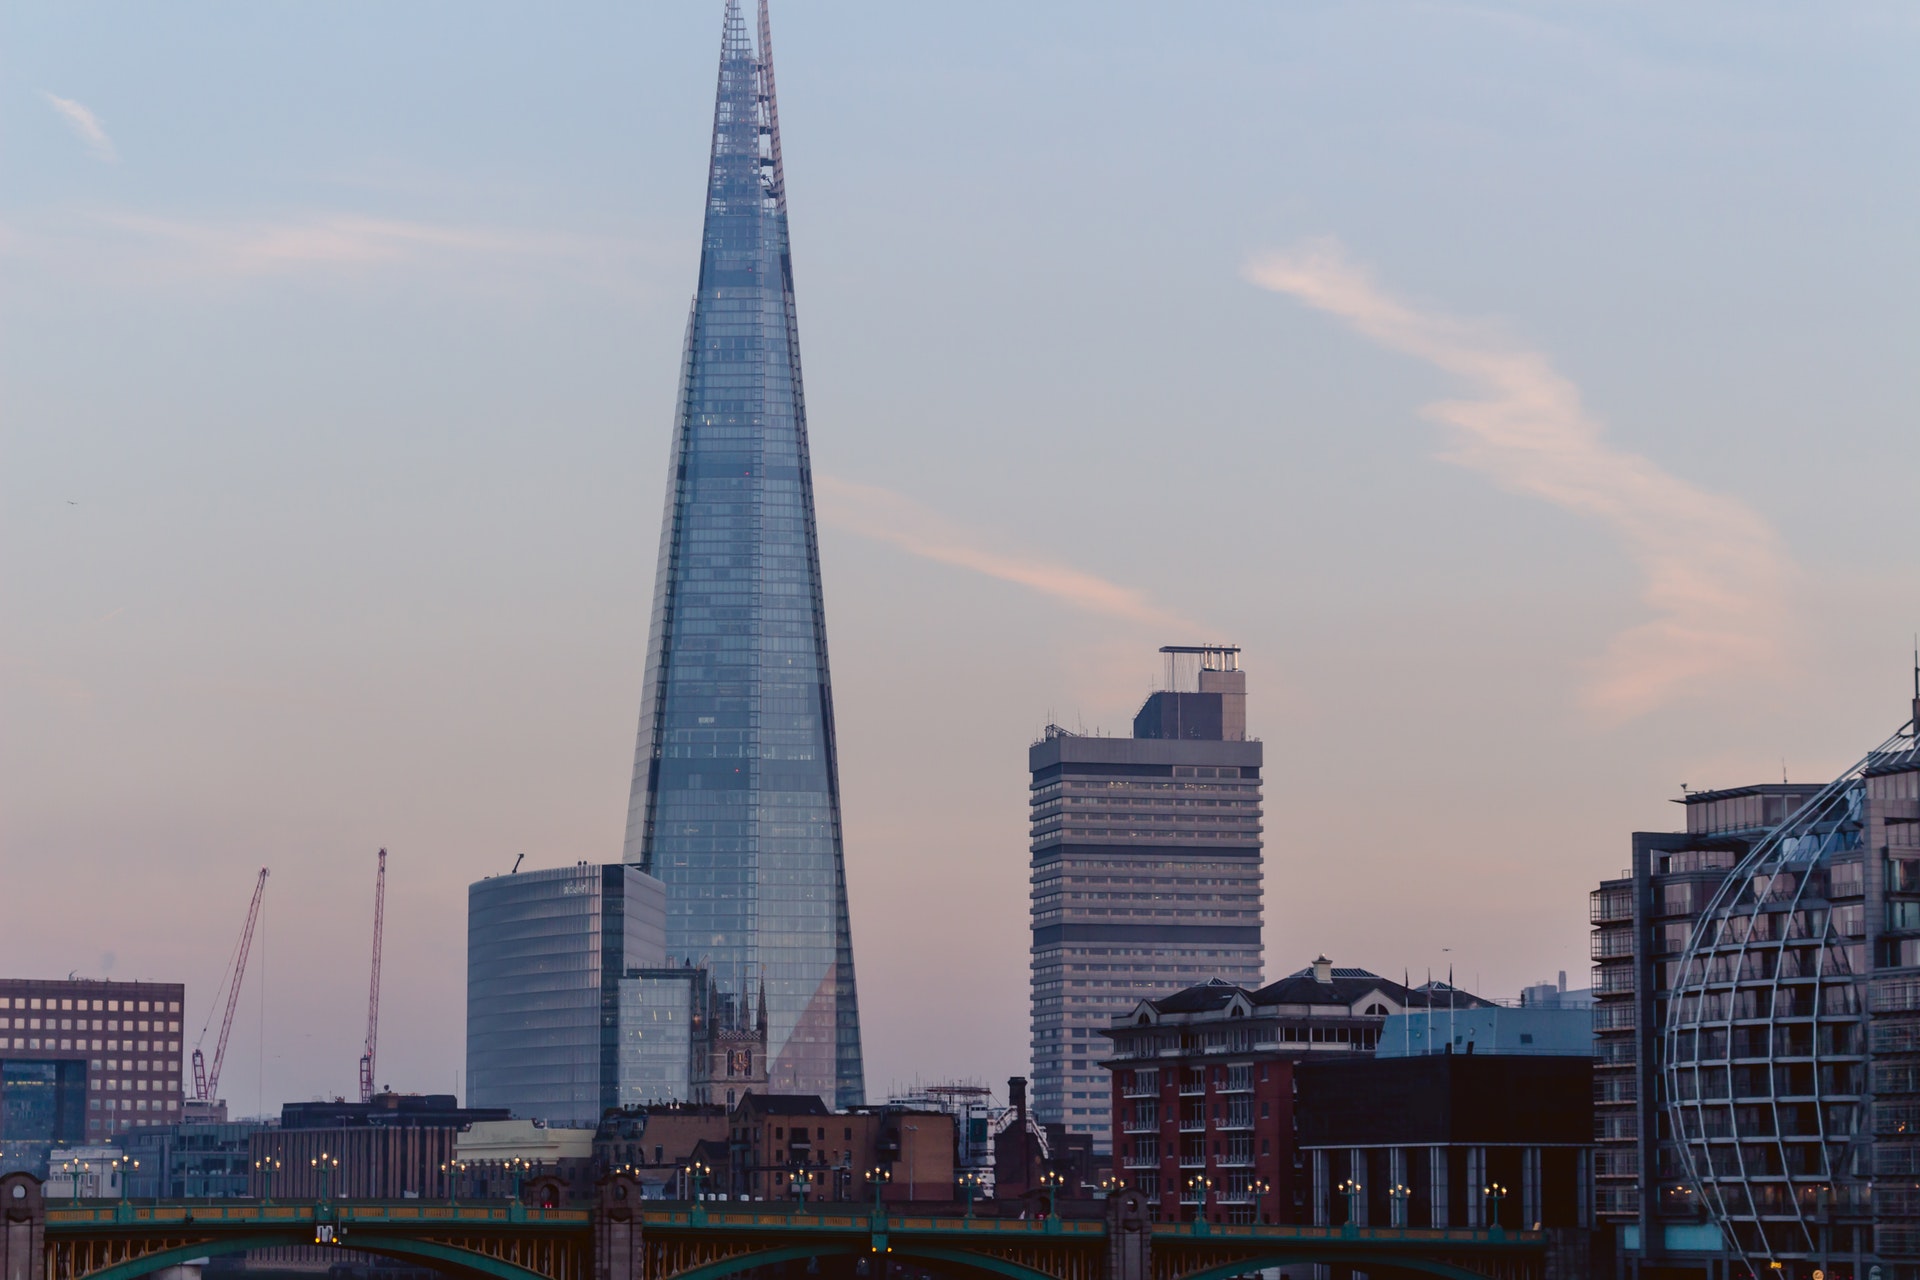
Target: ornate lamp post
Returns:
[[73, 1168], [1399, 1193], [518, 1168], [266, 1167], [877, 1178], [325, 1165], [800, 1182], [696, 1175], [1495, 1193], [1053, 1180], [1111, 1185], [1200, 1184], [971, 1185], [1260, 1189], [1352, 1190], [453, 1169], [125, 1167]]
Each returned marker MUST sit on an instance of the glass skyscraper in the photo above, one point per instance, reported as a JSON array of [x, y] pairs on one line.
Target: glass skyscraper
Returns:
[[736, 795]]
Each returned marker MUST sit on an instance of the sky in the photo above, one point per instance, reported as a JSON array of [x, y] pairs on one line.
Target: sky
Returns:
[[1528, 390]]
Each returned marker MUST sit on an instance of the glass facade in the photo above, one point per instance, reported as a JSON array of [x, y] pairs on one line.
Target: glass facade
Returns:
[[735, 801], [1791, 1045], [660, 1011], [545, 954]]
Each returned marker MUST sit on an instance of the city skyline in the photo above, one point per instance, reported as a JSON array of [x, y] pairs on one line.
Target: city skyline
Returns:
[[335, 375]]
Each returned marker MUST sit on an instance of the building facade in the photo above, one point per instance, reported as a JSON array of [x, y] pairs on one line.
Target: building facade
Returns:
[[192, 1160], [1146, 872], [1642, 921], [1447, 1140], [1204, 1084], [546, 955], [82, 1062], [1790, 1054], [735, 801], [398, 1146]]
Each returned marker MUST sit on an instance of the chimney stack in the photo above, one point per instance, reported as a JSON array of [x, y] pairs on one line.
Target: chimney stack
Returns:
[[1323, 971]]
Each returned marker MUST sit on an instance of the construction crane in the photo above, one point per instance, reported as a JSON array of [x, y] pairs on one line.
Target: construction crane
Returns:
[[373, 986], [206, 1083]]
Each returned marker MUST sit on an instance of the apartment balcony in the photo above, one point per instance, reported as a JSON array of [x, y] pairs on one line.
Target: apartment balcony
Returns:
[[1612, 944], [1134, 1091], [1605, 906], [1193, 1126], [1140, 1162], [1139, 1126], [1193, 1162], [1236, 1161], [1193, 1089], [1237, 1122]]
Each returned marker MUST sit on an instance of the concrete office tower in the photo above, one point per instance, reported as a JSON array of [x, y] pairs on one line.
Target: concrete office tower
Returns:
[[1146, 872], [735, 803], [546, 951]]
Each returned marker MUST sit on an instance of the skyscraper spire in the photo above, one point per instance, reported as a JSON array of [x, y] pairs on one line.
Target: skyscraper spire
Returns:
[[735, 802]]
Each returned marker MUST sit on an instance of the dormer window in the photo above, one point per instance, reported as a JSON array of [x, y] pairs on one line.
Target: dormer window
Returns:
[[1376, 1011]]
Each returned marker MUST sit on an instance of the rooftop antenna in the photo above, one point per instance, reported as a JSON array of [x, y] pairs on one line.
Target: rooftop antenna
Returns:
[[516, 865]]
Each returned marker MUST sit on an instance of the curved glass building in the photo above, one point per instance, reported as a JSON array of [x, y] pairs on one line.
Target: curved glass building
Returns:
[[735, 803], [1791, 1046]]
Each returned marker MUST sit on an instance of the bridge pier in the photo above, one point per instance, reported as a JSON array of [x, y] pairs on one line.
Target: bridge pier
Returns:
[[23, 1227], [1129, 1237], [619, 1251]]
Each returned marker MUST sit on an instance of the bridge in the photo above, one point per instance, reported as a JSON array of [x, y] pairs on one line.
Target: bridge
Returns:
[[623, 1237]]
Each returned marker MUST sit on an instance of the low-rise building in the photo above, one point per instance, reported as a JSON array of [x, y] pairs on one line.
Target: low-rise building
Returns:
[[193, 1161], [1447, 1140], [87, 1173], [1203, 1084]]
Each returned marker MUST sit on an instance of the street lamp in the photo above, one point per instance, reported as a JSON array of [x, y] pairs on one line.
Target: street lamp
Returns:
[[266, 1167], [1111, 1185], [1200, 1184], [1260, 1189], [1495, 1192], [1352, 1190], [124, 1166], [72, 1168], [325, 1164], [971, 1184], [1399, 1193], [800, 1181], [453, 1169], [877, 1178], [696, 1175], [518, 1168], [1053, 1180]]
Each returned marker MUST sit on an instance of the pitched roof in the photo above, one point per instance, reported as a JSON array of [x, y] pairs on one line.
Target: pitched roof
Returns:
[[785, 1104], [1348, 986]]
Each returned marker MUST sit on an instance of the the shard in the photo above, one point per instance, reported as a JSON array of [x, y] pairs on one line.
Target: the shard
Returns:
[[736, 789]]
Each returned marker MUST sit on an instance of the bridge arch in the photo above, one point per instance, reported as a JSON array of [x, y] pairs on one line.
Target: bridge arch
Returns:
[[901, 1250], [464, 1260], [1306, 1257]]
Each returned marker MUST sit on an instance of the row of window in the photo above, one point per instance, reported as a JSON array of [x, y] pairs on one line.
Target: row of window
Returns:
[[80, 1046], [80, 1024], [68, 1003]]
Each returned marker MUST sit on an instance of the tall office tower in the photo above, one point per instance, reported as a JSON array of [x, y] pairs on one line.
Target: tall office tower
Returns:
[[547, 952], [1641, 922], [736, 792], [1146, 872]]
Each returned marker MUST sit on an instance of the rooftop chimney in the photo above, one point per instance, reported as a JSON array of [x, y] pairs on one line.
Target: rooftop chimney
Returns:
[[1323, 971]]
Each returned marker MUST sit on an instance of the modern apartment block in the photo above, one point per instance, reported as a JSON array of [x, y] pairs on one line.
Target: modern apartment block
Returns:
[[1642, 921], [546, 953], [82, 1061], [1146, 872]]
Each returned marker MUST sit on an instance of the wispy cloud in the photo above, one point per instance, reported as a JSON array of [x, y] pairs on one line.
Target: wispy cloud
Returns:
[[85, 124], [888, 517], [1715, 571]]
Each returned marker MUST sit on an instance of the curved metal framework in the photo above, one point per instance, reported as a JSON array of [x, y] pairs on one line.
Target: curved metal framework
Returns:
[[1764, 1042]]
